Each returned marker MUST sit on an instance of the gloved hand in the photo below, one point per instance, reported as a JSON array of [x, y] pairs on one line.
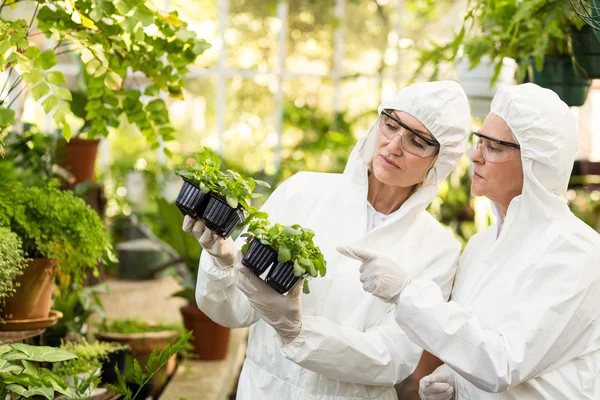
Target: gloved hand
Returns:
[[381, 276], [221, 250], [283, 313], [440, 385]]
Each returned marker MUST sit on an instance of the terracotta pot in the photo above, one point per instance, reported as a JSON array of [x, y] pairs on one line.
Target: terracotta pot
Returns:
[[34, 293], [210, 339], [79, 158]]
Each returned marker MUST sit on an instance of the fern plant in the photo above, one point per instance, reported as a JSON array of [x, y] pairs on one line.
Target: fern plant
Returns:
[[155, 363]]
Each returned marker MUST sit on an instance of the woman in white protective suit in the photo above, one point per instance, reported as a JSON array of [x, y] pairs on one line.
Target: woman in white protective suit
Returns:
[[338, 341], [523, 322]]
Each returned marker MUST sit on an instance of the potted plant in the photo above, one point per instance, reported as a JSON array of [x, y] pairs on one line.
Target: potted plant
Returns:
[[536, 34], [12, 264], [22, 378], [109, 41], [289, 249], [58, 232], [143, 338], [220, 198]]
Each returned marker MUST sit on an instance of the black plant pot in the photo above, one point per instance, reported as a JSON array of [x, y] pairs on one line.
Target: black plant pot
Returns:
[[191, 201], [259, 257], [220, 217], [118, 358], [281, 277]]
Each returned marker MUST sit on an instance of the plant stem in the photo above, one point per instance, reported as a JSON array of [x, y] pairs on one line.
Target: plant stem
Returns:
[[17, 96], [13, 87], [7, 79], [37, 6]]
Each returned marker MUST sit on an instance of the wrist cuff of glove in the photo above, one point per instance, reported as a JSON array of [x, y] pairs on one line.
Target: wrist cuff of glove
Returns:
[[222, 263]]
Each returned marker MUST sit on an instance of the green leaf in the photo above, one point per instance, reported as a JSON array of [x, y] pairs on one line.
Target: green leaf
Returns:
[[262, 183], [55, 78], [289, 231], [151, 90], [4, 46], [305, 288], [63, 93], [7, 116], [60, 113], [66, 131], [284, 254], [145, 17], [138, 375], [46, 60], [232, 201], [49, 103], [156, 105], [298, 269], [38, 353], [122, 7], [113, 81], [32, 52], [40, 90], [33, 77], [17, 389]]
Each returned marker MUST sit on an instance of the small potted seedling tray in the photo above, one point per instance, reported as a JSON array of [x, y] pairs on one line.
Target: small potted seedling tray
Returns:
[[259, 257], [220, 198], [220, 217], [285, 254], [282, 278], [191, 201]]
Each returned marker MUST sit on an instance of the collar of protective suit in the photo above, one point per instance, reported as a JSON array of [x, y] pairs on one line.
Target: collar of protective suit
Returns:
[[443, 108], [548, 139]]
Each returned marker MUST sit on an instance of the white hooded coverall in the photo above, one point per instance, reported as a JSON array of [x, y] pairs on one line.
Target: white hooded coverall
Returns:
[[525, 309], [349, 347]]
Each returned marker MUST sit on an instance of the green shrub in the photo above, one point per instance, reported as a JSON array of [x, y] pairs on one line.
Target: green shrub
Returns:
[[55, 224]]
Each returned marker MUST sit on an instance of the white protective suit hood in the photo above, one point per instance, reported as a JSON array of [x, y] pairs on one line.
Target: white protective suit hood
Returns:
[[548, 139], [523, 320], [350, 346], [443, 108]]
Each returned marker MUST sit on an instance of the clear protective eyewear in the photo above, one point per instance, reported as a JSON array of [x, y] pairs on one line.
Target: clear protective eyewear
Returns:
[[413, 142], [494, 150]]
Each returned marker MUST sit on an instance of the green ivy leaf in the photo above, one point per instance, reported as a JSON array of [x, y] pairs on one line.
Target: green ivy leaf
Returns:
[[33, 52]]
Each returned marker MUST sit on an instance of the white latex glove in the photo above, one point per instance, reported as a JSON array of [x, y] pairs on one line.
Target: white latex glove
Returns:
[[381, 276], [440, 385], [221, 250], [283, 313]]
